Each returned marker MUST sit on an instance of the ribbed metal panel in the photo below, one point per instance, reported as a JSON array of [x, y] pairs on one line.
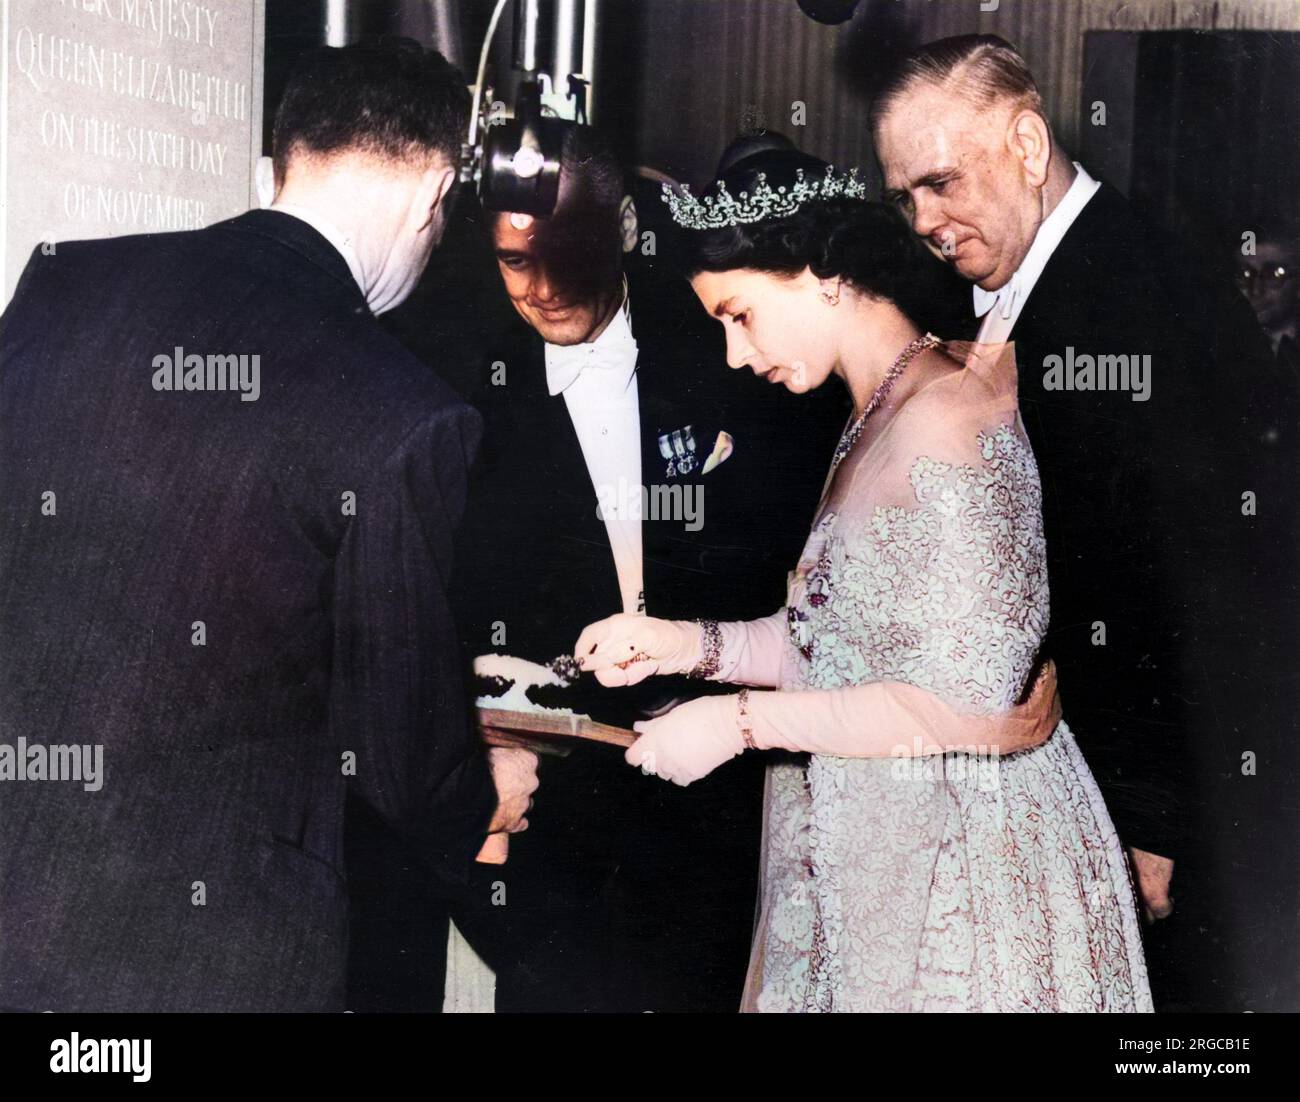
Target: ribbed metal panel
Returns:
[[711, 67]]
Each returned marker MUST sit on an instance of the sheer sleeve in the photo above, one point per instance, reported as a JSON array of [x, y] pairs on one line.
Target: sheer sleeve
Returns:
[[879, 719], [955, 520], [890, 719], [930, 596]]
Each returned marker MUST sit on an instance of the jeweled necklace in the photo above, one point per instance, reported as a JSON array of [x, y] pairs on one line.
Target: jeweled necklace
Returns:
[[892, 376]]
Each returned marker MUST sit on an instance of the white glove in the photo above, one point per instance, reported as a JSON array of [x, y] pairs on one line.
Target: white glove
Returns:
[[690, 741], [626, 648]]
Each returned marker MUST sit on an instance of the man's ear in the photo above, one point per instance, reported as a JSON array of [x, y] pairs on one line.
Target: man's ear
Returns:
[[264, 182], [1030, 143], [627, 223], [435, 183]]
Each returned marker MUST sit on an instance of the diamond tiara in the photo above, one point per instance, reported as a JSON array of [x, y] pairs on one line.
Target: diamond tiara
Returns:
[[715, 212]]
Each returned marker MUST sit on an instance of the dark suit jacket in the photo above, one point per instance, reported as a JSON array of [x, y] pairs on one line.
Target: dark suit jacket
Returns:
[[627, 893], [1143, 515], [328, 636]]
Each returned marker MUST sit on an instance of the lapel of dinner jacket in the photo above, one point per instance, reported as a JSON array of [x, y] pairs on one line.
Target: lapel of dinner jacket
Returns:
[[672, 401], [551, 462]]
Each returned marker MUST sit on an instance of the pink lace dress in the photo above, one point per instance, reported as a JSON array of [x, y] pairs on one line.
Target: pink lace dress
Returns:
[[953, 882]]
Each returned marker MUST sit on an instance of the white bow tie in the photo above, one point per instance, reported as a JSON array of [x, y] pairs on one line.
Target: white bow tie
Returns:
[[564, 363], [1005, 295]]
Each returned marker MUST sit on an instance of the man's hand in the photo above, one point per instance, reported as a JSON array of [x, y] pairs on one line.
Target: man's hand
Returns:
[[1153, 876], [514, 772]]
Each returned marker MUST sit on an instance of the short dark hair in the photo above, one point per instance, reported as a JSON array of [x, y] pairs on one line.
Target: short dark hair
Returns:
[[746, 145], [983, 67], [596, 176], [867, 244], [390, 97]]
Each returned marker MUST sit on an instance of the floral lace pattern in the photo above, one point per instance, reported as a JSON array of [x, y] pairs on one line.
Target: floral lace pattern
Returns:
[[960, 882]]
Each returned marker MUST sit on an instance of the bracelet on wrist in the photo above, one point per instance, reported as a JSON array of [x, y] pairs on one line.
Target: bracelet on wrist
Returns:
[[711, 644], [743, 719]]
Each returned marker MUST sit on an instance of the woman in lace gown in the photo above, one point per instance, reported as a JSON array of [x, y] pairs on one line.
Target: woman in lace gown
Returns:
[[918, 858]]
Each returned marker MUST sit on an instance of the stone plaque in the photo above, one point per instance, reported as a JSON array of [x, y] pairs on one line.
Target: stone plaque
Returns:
[[125, 116]]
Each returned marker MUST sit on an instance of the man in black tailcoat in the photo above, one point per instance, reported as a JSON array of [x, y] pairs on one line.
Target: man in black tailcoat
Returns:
[[625, 894], [1166, 442]]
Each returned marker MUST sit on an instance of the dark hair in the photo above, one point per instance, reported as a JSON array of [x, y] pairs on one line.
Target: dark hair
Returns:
[[389, 97], [595, 175], [983, 67], [748, 145], [867, 244]]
